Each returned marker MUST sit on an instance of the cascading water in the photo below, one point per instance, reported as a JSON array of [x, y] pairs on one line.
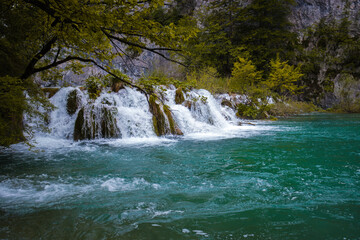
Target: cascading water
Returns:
[[126, 114]]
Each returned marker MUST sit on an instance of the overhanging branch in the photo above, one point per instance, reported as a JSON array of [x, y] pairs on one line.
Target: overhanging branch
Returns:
[[154, 50], [86, 60]]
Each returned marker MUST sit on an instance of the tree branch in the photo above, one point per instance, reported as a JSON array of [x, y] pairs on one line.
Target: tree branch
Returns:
[[154, 50], [30, 69], [86, 60]]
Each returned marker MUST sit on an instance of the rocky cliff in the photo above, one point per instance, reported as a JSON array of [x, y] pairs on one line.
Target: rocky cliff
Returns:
[[308, 12]]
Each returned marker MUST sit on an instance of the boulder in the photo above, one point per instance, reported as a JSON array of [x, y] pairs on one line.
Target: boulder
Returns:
[[226, 102], [96, 122], [174, 129], [163, 121], [116, 86], [158, 116], [179, 96], [49, 92], [72, 102]]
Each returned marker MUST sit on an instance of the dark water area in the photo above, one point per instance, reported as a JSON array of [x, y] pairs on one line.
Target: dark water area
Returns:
[[297, 178]]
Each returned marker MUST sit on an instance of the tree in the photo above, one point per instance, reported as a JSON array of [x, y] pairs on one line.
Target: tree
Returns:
[[214, 44], [49, 33], [265, 31], [283, 78], [244, 75], [260, 29]]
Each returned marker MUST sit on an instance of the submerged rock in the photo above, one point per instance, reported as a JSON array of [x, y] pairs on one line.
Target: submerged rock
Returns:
[[96, 122], [72, 102], [179, 96]]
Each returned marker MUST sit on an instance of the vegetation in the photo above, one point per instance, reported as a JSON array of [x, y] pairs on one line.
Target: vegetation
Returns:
[[224, 46], [39, 36]]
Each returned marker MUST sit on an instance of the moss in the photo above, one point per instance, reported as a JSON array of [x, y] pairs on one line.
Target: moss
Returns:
[[78, 128], [292, 108], [174, 129], [12, 106], [226, 102], [50, 92], [109, 123], [72, 102], [116, 86], [179, 96], [90, 129], [158, 116]]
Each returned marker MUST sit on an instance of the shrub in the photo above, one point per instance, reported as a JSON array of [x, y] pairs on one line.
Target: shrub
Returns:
[[94, 85], [244, 75], [283, 78]]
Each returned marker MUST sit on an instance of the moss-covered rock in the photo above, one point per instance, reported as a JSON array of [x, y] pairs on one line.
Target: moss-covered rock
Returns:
[[179, 96], [174, 129], [72, 102], [163, 121], [116, 86], [49, 92], [188, 104], [96, 122], [158, 116], [226, 102]]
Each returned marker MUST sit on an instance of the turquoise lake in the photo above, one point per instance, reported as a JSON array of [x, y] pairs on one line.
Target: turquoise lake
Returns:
[[296, 178]]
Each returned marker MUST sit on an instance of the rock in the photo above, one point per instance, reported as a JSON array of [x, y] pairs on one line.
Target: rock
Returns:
[[188, 104], [226, 102], [96, 122], [72, 102], [158, 116], [49, 92], [174, 129], [163, 120], [116, 86], [179, 96]]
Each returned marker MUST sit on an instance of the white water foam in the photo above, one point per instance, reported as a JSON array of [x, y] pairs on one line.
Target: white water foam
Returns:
[[203, 119], [121, 184]]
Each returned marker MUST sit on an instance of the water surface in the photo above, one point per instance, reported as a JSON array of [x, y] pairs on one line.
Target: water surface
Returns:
[[297, 178]]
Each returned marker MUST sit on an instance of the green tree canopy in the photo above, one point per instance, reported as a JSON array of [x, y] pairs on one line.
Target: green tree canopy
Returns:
[[37, 36], [95, 32], [259, 30]]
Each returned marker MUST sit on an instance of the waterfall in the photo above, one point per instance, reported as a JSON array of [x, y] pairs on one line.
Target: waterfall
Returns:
[[126, 114]]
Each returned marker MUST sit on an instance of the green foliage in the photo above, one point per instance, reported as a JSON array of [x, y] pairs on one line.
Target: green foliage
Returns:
[[13, 104], [244, 76], [94, 85], [283, 109], [247, 111], [283, 78], [331, 48], [208, 78], [258, 30], [265, 31]]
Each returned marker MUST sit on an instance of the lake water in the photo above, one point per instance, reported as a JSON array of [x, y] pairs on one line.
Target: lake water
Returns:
[[297, 178]]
